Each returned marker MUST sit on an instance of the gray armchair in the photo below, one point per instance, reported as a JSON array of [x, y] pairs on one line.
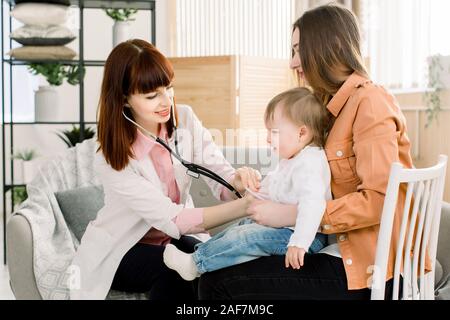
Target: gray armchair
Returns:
[[20, 248]]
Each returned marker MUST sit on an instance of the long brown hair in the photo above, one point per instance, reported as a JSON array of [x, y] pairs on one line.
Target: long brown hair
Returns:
[[134, 66], [301, 107], [329, 47]]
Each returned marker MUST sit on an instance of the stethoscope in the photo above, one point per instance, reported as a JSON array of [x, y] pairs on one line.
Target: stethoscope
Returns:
[[193, 170]]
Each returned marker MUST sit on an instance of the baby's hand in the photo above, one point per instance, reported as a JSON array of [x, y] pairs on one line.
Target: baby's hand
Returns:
[[246, 177], [294, 257]]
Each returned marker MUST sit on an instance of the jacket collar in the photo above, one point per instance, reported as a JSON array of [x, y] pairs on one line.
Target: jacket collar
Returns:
[[340, 98]]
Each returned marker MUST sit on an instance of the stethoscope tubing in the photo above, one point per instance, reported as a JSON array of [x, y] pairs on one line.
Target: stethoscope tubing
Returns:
[[194, 170]]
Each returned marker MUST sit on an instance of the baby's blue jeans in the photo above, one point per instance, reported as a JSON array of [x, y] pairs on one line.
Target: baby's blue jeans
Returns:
[[245, 241]]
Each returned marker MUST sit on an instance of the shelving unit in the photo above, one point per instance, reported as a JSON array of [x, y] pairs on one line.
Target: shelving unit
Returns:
[[10, 63]]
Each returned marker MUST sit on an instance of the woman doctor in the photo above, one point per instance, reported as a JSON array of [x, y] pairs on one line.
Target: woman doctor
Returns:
[[147, 201]]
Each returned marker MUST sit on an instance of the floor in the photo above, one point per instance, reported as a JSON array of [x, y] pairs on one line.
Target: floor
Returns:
[[5, 290]]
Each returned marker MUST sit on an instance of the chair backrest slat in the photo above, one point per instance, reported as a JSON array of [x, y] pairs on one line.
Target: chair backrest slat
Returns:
[[419, 227], [407, 259], [419, 239], [401, 242], [426, 235]]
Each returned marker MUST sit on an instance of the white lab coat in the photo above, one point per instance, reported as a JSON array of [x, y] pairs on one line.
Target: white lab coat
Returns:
[[134, 202]]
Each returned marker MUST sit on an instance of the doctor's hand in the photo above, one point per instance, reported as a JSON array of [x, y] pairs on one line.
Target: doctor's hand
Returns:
[[294, 257], [272, 214], [246, 177]]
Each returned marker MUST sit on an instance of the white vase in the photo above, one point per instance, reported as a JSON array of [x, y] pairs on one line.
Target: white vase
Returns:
[[121, 32], [46, 104], [28, 171]]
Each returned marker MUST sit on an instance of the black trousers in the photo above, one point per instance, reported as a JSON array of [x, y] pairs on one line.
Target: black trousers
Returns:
[[142, 269], [321, 278]]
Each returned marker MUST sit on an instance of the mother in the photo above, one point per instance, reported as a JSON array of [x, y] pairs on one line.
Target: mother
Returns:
[[367, 134]]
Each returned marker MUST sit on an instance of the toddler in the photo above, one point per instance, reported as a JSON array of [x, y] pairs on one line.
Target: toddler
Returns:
[[297, 125]]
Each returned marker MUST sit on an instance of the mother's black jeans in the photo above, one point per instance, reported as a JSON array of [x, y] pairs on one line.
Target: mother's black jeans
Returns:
[[322, 277]]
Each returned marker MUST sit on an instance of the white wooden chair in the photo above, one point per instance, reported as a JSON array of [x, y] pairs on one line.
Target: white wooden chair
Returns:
[[426, 186]]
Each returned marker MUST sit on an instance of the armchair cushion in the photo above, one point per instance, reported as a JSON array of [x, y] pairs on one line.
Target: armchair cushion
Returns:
[[79, 206]]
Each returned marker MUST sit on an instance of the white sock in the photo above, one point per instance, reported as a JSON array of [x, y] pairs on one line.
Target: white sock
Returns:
[[181, 262]]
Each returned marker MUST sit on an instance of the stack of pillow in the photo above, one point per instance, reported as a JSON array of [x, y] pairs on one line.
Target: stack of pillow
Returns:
[[43, 34]]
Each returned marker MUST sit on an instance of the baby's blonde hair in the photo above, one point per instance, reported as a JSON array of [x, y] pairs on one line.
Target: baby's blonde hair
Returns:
[[301, 107]]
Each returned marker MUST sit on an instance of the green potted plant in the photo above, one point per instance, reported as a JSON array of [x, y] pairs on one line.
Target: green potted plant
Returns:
[[46, 97], [121, 27], [433, 96], [73, 136], [19, 195], [26, 164]]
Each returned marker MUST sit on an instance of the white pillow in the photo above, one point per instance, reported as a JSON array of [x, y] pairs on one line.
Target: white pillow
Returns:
[[41, 14], [29, 31]]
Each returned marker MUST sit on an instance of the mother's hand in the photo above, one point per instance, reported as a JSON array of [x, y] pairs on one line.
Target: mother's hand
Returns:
[[272, 214]]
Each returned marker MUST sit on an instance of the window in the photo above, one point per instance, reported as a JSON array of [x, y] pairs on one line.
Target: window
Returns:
[[400, 35], [234, 27]]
